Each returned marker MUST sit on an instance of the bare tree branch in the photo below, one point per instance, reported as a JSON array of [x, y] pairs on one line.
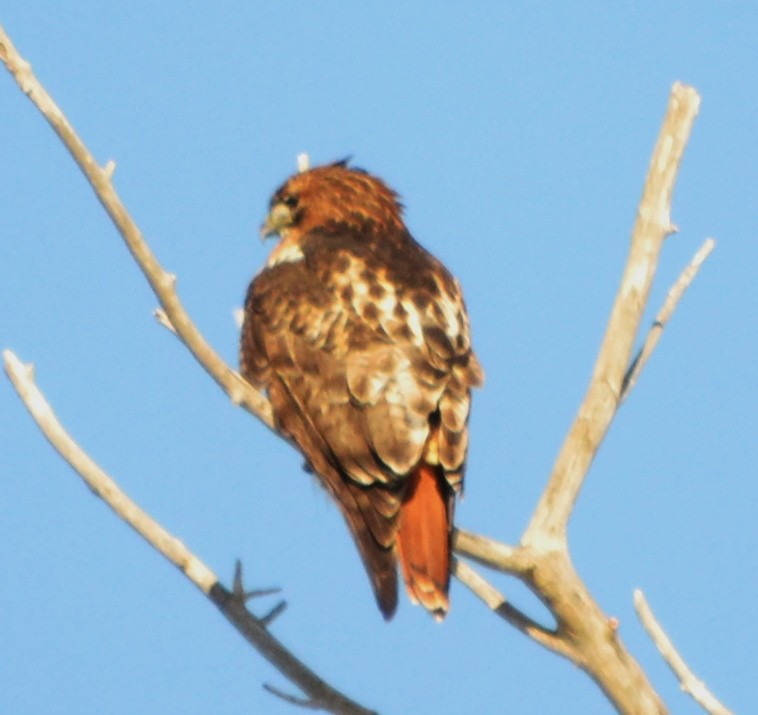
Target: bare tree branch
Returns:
[[509, 559], [162, 282], [229, 603], [548, 524], [664, 314], [689, 682], [518, 619], [22, 377], [583, 633]]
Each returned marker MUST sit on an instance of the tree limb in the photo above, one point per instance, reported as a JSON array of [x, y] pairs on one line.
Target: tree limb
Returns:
[[664, 314], [689, 682], [550, 519], [496, 602], [162, 282], [228, 602], [509, 559], [541, 560], [584, 634]]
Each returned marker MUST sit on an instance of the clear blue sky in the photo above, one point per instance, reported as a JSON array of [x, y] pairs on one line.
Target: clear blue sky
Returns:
[[519, 137]]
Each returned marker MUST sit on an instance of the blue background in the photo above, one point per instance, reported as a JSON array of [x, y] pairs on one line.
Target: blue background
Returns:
[[519, 137]]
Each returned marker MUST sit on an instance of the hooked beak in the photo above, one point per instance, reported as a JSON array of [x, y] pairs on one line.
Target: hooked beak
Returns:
[[278, 219]]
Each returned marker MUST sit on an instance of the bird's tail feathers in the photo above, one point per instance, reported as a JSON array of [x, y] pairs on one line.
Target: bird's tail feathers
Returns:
[[423, 539]]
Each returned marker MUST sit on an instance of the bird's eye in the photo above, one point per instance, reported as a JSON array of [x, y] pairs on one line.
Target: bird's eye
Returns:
[[289, 201]]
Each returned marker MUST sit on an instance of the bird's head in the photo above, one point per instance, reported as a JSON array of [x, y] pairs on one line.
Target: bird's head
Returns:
[[329, 197]]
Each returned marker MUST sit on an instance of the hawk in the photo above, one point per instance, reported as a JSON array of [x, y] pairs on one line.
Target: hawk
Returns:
[[361, 339]]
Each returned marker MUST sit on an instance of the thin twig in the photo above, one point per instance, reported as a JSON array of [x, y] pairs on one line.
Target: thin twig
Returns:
[[273, 614], [664, 315], [689, 682], [550, 519], [584, 634], [232, 606], [162, 318], [303, 162], [306, 703], [161, 282]]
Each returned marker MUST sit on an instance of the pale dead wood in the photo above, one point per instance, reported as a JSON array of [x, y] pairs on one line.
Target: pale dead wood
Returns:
[[689, 682], [550, 519], [160, 315], [22, 378], [162, 282], [303, 162], [173, 316], [230, 603], [515, 560], [664, 315], [582, 633], [496, 602]]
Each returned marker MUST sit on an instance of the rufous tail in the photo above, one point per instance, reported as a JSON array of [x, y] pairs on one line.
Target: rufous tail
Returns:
[[423, 539]]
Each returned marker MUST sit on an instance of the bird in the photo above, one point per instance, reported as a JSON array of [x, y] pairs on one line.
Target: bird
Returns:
[[360, 338]]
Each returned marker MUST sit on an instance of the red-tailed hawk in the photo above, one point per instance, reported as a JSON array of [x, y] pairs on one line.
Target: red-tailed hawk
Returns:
[[361, 339]]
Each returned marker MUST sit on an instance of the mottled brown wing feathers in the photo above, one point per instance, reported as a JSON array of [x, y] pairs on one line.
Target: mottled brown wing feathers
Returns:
[[362, 343], [370, 515]]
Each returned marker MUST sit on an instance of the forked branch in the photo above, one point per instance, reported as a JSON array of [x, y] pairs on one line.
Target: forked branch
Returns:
[[541, 560], [584, 634], [550, 519], [230, 603], [664, 315]]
